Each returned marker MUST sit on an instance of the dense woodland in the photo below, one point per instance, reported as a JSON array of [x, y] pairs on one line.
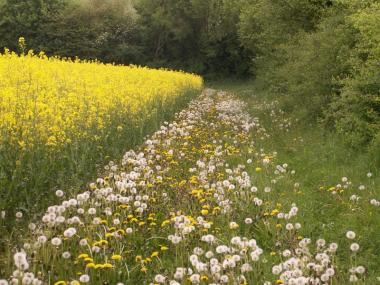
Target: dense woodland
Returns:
[[322, 56]]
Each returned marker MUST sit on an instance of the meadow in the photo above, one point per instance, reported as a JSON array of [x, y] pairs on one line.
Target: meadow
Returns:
[[258, 164], [234, 190], [59, 123]]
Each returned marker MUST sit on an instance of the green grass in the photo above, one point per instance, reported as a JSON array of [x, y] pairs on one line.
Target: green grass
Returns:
[[318, 157], [30, 187], [322, 159]]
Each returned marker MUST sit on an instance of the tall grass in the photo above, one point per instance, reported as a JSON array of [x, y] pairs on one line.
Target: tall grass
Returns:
[[321, 159]]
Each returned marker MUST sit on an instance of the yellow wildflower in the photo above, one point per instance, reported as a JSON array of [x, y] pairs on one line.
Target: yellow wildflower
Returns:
[[164, 248], [204, 212], [90, 265], [154, 254], [116, 257]]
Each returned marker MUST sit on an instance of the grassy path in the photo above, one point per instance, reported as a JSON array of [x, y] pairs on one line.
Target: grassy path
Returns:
[[208, 199]]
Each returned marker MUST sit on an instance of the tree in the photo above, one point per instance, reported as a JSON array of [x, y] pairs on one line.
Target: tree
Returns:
[[26, 18], [195, 35]]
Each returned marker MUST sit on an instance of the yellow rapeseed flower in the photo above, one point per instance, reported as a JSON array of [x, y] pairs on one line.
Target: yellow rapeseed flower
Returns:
[[58, 101]]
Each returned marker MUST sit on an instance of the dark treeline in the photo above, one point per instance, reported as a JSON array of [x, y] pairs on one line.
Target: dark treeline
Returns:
[[323, 56], [194, 35]]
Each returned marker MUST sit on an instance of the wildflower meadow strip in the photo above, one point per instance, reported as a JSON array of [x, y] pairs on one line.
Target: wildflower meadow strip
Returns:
[[197, 204]]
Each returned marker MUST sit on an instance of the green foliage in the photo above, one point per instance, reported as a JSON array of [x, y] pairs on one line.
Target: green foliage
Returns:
[[315, 62], [27, 19], [88, 29], [95, 29], [322, 57], [270, 29], [266, 24], [357, 110], [199, 36]]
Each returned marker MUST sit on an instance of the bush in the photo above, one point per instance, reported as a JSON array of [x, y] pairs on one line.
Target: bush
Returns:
[[322, 57], [357, 110]]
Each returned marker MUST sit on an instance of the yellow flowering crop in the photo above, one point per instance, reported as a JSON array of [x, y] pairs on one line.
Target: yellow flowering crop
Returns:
[[52, 102]]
